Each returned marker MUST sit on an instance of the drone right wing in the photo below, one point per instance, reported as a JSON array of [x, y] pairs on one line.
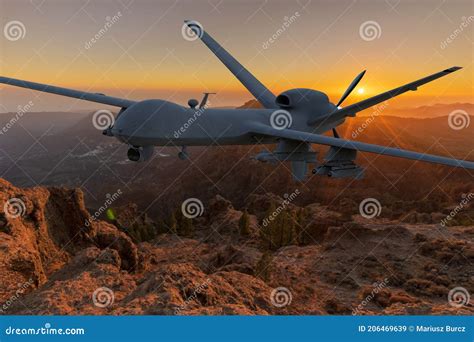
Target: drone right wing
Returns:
[[93, 97], [357, 146]]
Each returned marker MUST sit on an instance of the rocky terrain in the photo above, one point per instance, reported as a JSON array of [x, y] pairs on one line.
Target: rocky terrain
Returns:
[[56, 258]]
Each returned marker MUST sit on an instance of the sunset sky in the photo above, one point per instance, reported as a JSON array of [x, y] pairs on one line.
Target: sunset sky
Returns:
[[144, 55]]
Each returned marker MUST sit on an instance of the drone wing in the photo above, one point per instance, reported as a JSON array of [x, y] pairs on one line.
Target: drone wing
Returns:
[[352, 109], [93, 97], [358, 146], [254, 86]]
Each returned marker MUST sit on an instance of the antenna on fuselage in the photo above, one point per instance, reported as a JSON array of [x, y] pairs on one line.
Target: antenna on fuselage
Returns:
[[204, 99]]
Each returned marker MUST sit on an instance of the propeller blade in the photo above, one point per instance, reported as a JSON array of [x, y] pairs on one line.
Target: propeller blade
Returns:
[[351, 87]]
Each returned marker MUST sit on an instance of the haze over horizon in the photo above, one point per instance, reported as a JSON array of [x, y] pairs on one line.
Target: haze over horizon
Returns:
[[143, 53]]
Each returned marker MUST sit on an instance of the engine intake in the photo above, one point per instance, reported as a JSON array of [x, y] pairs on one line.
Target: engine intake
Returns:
[[140, 154]]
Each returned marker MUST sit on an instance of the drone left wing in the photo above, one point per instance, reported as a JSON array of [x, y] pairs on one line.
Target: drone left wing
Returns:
[[93, 97], [254, 86], [358, 146]]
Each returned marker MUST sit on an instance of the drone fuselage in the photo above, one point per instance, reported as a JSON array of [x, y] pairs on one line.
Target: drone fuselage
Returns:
[[160, 122]]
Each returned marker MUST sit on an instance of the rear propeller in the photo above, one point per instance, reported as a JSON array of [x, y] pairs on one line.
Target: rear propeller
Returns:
[[349, 90]]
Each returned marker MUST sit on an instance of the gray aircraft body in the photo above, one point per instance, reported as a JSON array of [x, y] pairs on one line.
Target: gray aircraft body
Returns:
[[294, 120]]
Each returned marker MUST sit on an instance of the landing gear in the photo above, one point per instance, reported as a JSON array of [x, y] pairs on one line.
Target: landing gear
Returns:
[[183, 155]]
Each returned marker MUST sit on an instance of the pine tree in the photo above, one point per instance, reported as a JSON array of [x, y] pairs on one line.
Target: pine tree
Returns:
[[267, 231], [186, 227], [263, 269], [173, 224], [244, 224]]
